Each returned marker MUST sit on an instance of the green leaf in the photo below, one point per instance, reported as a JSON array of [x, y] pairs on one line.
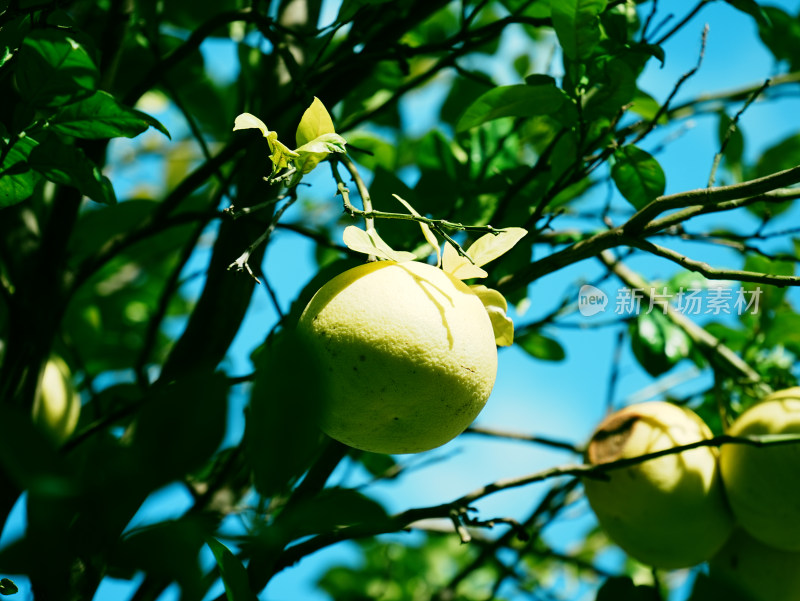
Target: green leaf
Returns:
[[512, 101], [100, 116], [370, 243], [782, 155], [68, 165], [315, 122], [54, 69], [181, 425], [647, 107], [734, 150], [709, 588], [622, 588], [541, 347], [752, 8], [329, 510], [232, 572], [577, 25], [638, 176], [781, 34], [168, 550], [770, 297], [17, 179], [282, 437], [657, 343]]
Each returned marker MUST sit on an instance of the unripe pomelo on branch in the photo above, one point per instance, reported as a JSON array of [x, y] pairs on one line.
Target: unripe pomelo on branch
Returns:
[[761, 482], [669, 512], [407, 354], [57, 406], [759, 572]]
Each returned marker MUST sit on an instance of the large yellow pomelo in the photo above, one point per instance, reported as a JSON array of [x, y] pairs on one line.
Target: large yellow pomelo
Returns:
[[759, 572], [57, 407], [407, 353], [762, 482], [668, 512]]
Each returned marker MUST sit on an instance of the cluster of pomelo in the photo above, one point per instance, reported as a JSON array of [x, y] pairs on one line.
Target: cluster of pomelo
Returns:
[[736, 507]]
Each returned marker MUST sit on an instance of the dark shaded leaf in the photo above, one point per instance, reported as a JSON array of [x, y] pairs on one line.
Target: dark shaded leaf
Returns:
[[708, 588], [168, 550], [622, 588], [331, 509], [54, 68], [29, 458], [68, 165], [181, 425], [282, 436], [101, 116], [540, 346], [232, 572], [638, 176], [512, 101]]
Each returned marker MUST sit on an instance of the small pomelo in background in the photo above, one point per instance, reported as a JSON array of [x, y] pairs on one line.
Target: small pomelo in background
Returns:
[[407, 354], [761, 482], [58, 405], [669, 512]]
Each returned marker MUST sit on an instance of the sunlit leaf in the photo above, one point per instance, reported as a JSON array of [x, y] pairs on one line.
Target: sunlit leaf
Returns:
[[370, 243], [248, 121], [496, 307], [458, 265], [491, 246], [325, 144], [315, 122], [426, 231]]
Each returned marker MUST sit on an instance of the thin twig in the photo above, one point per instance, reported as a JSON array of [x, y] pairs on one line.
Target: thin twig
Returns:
[[729, 132]]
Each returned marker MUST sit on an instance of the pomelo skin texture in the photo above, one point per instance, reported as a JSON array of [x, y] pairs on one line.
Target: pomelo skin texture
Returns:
[[57, 407], [407, 353], [668, 512], [762, 482], [759, 572]]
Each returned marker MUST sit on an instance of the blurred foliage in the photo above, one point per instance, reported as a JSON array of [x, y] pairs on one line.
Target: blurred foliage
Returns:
[[115, 255]]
